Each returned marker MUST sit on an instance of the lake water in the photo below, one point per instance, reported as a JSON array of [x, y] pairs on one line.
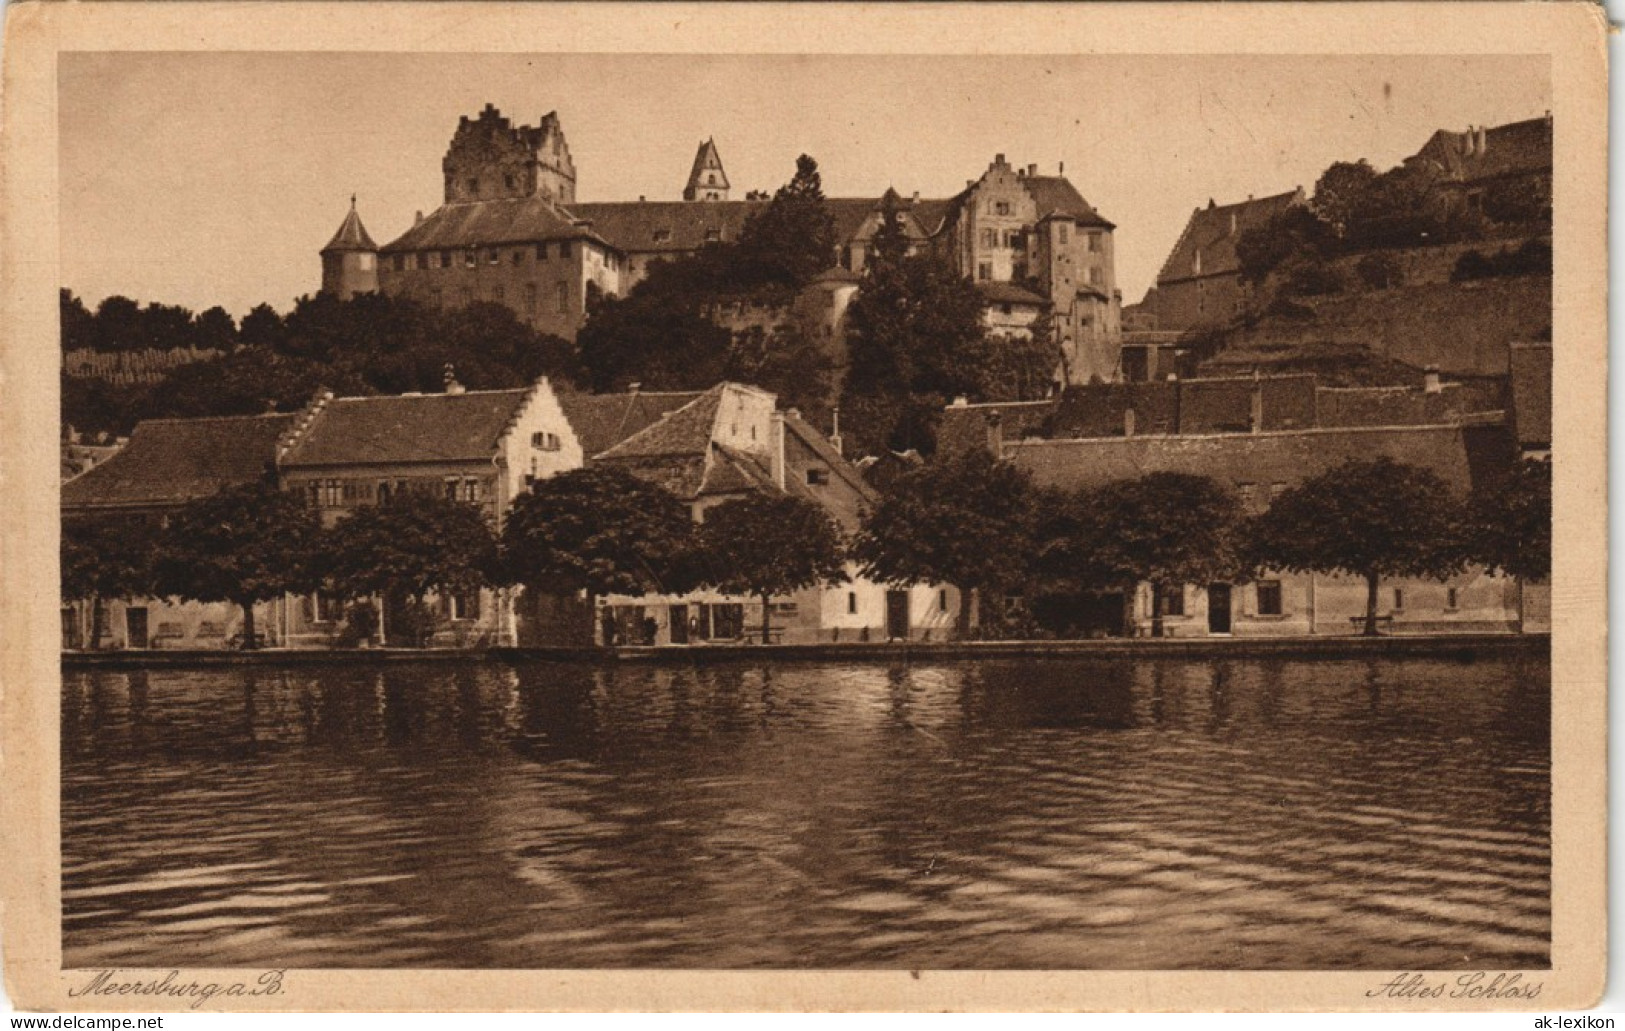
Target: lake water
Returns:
[[1387, 815]]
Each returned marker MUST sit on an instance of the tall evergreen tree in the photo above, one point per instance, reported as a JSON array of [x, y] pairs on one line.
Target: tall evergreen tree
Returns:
[[792, 239]]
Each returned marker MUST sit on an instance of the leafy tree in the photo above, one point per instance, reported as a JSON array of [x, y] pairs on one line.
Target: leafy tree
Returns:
[[656, 336], [416, 542], [106, 557], [1018, 367], [788, 363], [1343, 194], [249, 381], [965, 520], [78, 324], [1365, 517], [242, 545], [765, 545], [1509, 526], [598, 530], [118, 324], [1294, 233], [1166, 529], [215, 329], [262, 327], [792, 239], [914, 337]]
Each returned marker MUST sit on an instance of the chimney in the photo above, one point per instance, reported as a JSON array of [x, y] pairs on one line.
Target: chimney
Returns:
[[632, 388], [1430, 380], [1483, 140], [916, 196], [995, 433], [835, 431], [417, 219], [1063, 169], [1032, 169], [776, 442], [450, 378], [642, 199], [1233, 222], [998, 159]]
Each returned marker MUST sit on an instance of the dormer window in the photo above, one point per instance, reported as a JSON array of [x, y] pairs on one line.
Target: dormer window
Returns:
[[662, 235], [713, 236], [817, 477]]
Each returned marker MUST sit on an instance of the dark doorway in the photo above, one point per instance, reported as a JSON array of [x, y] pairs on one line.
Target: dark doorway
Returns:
[[1080, 615], [1218, 608], [679, 624], [897, 615], [401, 620], [135, 626]]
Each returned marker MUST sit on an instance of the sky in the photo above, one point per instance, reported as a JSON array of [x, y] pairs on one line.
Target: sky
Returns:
[[215, 178]]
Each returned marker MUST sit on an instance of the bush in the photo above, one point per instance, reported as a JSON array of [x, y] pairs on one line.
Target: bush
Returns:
[[1379, 271], [1312, 278], [1530, 258]]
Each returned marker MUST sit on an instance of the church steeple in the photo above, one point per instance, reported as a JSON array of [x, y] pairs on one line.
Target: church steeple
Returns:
[[707, 181], [350, 259]]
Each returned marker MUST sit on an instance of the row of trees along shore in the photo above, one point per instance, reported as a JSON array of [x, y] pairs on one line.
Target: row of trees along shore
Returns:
[[965, 520], [915, 339]]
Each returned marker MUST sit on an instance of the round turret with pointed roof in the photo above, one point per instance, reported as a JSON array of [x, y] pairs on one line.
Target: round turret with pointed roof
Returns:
[[350, 259]]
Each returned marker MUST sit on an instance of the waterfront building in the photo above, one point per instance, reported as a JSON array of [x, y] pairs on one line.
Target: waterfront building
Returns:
[[1258, 436], [165, 464]]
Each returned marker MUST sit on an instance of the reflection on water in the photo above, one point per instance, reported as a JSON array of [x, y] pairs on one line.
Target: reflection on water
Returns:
[[1052, 814]]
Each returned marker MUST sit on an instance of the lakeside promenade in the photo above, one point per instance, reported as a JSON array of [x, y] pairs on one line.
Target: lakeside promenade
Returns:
[[1464, 646]]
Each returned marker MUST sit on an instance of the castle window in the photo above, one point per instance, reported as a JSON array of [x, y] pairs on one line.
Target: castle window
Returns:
[[564, 296], [662, 235], [544, 441], [710, 178], [564, 248], [1094, 243], [518, 257], [713, 235], [399, 262], [541, 252], [446, 259], [493, 256], [530, 299], [471, 259]]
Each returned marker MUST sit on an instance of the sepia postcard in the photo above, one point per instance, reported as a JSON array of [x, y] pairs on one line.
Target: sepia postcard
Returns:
[[525, 506]]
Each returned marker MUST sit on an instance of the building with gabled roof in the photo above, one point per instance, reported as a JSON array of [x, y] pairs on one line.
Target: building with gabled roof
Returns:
[[1200, 280], [1467, 164], [169, 462]]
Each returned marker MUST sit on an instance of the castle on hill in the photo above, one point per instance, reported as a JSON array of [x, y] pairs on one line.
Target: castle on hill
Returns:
[[510, 231]]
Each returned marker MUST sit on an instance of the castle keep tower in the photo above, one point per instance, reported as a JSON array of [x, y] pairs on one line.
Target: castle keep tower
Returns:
[[490, 159], [707, 181], [350, 259]]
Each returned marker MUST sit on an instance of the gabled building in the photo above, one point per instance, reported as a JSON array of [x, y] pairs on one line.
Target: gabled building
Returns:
[[1472, 168], [1200, 281], [167, 463]]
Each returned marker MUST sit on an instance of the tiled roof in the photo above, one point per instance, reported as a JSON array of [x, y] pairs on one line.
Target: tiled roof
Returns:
[[1531, 382], [684, 431], [170, 461], [407, 428], [352, 235], [731, 471], [964, 427], [681, 475], [476, 223], [1517, 148], [1056, 195], [707, 158], [1214, 230], [601, 421], [1008, 293], [666, 226]]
